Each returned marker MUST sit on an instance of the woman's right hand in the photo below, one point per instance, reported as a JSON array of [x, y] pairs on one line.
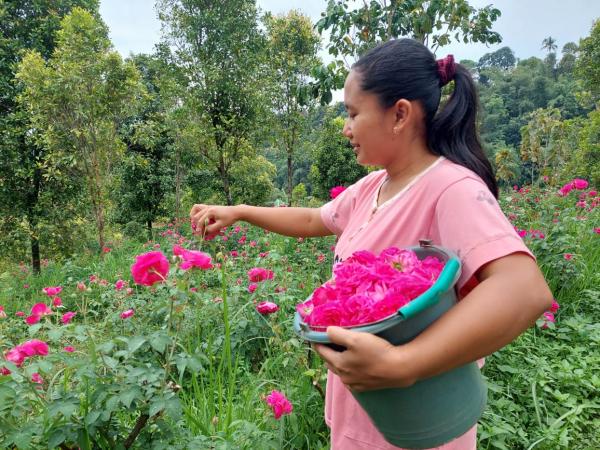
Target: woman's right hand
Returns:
[[208, 220]]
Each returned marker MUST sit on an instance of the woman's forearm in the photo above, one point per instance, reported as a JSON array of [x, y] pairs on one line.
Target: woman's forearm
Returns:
[[498, 310], [295, 222]]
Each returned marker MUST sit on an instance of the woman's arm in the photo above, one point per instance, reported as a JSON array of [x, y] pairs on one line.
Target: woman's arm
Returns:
[[296, 222], [511, 295]]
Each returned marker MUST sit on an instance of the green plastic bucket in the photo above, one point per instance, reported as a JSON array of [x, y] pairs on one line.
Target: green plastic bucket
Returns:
[[433, 411]]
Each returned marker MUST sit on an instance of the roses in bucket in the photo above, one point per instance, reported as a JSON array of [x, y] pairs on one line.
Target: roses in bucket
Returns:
[[367, 288]]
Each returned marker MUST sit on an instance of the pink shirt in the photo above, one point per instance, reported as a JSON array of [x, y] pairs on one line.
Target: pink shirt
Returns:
[[446, 203]]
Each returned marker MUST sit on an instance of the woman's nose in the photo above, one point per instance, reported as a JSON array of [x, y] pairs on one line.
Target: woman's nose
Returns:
[[346, 131]]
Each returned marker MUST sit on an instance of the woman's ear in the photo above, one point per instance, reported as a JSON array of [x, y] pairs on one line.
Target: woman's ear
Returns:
[[402, 110]]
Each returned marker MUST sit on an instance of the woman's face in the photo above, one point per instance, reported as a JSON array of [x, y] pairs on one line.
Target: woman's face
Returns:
[[369, 126]]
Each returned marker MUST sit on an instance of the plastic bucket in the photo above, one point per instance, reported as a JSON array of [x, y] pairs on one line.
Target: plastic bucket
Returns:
[[432, 411]]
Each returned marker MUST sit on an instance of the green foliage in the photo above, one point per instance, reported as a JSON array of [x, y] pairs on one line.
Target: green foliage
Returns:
[[251, 179], [37, 194], [503, 58], [587, 67], [334, 160], [146, 174], [353, 29], [220, 53], [75, 100], [292, 47]]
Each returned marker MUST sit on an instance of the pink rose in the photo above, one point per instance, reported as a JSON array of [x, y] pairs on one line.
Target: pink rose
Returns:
[[33, 347], [32, 319], [279, 404], [335, 191], [40, 309], [81, 286], [252, 287], [192, 258], [52, 290], [266, 308], [578, 183], [2, 313], [119, 285], [150, 268], [69, 349], [257, 274], [554, 306], [15, 356], [127, 314], [66, 317], [36, 378], [57, 302]]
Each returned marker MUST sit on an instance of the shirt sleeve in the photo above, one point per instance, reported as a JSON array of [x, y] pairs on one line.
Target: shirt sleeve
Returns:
[[469, 221], [336, 213]]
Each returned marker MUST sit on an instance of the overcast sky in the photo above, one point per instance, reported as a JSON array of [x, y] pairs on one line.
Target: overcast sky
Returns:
[[134, 27]]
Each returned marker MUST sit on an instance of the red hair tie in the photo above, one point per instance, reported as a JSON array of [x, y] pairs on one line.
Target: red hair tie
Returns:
[[446, 69]]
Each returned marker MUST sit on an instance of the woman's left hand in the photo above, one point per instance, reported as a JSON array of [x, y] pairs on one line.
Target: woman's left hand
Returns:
[[368, 362]]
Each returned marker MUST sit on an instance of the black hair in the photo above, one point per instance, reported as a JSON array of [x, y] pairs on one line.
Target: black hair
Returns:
[[405, 68]]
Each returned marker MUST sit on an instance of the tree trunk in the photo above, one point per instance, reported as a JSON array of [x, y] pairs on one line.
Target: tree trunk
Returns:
[[149, 227], [32, 201], [290, 174], [225, 178], [177, 187], [35, 255]]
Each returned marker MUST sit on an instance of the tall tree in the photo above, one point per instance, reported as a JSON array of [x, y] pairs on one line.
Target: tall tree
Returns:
[[146, 174], [77, 98], [26, 176], [219, 48], [587, 67], [549, 44], [292, 49], [355, 29], [503, 58]]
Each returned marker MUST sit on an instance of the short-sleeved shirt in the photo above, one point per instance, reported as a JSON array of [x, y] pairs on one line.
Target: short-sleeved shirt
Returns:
[[447, 204]]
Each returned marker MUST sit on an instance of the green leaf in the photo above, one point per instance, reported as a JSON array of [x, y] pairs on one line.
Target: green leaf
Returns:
[[130, 395], [159, 341], [135, 343], [57, 437], [157, 406]]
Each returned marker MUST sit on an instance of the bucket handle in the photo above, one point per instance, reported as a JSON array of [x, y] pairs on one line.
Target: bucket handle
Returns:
[[431, 296]]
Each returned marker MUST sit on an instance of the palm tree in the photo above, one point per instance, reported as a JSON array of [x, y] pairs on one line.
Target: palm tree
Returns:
[[549, 44]]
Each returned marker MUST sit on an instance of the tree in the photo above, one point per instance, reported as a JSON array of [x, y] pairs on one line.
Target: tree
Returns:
[[219, 49], [542, 143], [549, 44], [77, 98], [353, 30], [146, 174], [292, 48], [30, 184], [334, 160], [587, 67], [503, 58]]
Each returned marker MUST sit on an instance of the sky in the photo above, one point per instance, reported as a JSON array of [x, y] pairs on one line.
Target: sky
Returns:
[[134, 27]]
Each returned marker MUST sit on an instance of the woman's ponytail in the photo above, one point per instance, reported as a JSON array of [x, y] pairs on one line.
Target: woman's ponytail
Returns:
[[405, 68], [453, 130]]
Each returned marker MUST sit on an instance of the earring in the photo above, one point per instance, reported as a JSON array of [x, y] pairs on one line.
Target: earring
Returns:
[[396, 130]]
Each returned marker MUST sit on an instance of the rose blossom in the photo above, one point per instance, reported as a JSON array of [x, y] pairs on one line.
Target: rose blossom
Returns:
[[266, 308], [336, 190], [257, 274], [66, 317], [127, 314], [52, 291], [150, 268], [279, 404]]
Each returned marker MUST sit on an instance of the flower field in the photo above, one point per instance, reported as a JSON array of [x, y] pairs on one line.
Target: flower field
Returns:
[[183, 343]]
